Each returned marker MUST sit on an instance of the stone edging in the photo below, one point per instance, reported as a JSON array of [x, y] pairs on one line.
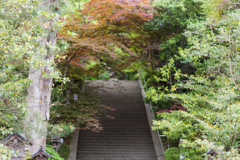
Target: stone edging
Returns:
[[74, 145], [75, 137], [156, 142]]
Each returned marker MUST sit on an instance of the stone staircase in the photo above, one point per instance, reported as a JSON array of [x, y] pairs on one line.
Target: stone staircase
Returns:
[[127, 137]]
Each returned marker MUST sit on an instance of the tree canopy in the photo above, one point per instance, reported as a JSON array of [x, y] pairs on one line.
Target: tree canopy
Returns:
[[188, 51], [211, 92]]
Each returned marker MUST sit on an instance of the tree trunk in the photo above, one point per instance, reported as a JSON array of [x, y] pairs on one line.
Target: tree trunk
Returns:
[[39, 93]]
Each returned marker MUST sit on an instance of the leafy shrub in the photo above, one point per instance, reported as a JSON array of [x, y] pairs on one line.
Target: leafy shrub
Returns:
[[50, 150], [64, 151], [27, 156], [172, 153], [164, 103]]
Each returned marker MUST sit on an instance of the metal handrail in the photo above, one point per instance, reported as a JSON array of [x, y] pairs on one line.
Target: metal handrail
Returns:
[[159, 135]]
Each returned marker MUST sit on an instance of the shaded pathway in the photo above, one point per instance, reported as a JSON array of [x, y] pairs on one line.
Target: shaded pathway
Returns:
[[127, 137]]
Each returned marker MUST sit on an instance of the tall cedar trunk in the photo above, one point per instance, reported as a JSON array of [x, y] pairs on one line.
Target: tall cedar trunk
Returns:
[[39, 94]]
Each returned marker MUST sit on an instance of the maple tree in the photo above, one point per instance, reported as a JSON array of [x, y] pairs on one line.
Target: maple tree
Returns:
[[105, 31]]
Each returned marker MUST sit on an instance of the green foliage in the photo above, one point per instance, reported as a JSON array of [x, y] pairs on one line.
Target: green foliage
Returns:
[[28, 156], [75, 106], [218, 8], [17, 45], [172, 153], [64, 151], [204, 61], [21, 32], [5, 152], [164, 103], [50, 150], [103, 76], [131, 76], [61, 130], [167, 28], [212, 118], [173, 18]]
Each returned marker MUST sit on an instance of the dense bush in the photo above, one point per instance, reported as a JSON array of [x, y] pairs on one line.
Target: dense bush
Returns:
[[208, 83], [64, 151], [50, 150], [172, 153]]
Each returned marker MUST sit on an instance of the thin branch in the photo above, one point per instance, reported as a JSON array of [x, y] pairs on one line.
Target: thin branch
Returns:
[[5, 118]]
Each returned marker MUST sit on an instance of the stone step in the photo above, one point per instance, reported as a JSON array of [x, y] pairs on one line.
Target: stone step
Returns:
[[129, 109], [133, 115], [133, 143], [123, 100], [112, 147], [117, 148], [116, 159], [108, 157], [127, 136], [116, 136], [125, 120], [130, 141], [111, 153], [126, 117], [123, 131], [112, 125], [120, 134], [114, 140], [129, 101], [118, 121], [121, 122], [137, 104], [117, 128]]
